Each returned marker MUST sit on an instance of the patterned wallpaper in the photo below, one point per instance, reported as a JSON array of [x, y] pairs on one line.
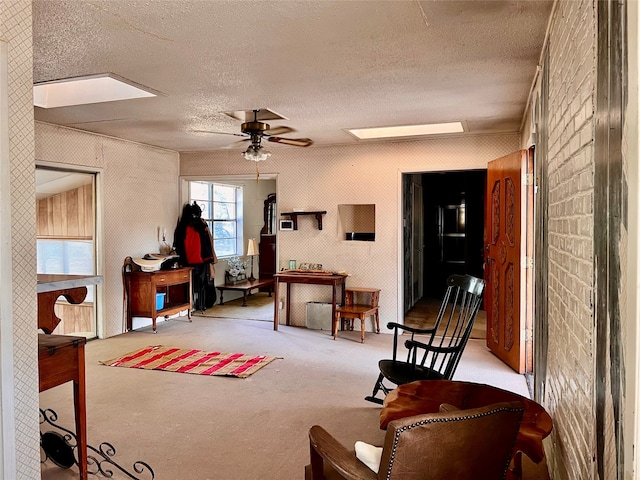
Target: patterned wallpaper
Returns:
[[15, 29], [321, 178], [139, 194]]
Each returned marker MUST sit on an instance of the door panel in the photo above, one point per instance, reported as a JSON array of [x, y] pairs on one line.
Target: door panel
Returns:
[[503, 213]]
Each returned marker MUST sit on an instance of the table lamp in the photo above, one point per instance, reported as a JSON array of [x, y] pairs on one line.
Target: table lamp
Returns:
[[252, 251]]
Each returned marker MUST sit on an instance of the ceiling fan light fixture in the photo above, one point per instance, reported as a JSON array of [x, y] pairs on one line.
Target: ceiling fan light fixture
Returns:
[[256, 153]]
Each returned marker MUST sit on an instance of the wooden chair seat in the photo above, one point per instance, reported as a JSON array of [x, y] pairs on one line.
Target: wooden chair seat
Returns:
[[361, 311]]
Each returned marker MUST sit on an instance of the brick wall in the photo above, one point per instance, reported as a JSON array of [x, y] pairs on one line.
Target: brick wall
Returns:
[[570, 388]]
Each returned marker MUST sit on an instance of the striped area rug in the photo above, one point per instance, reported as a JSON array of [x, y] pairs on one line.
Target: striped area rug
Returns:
[[191, 361]]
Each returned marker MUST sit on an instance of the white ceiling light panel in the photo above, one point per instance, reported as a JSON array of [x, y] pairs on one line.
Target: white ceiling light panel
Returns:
[[88, 89]]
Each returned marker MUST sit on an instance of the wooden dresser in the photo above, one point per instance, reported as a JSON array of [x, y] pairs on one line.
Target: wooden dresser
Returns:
[[267, 259], [142, 287]]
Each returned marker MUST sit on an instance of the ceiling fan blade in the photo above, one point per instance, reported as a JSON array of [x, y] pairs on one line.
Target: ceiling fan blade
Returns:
[[236, 144], [297, 142], [279, 130], [219, 133]]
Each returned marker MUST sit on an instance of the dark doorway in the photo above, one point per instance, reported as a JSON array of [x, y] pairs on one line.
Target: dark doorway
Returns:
[[453, 227]]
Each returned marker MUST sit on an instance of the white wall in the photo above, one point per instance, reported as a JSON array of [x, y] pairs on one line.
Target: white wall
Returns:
[[318, 178], [139, 194]]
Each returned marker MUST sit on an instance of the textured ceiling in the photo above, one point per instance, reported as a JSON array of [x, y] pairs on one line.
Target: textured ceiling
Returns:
[[323, 65]]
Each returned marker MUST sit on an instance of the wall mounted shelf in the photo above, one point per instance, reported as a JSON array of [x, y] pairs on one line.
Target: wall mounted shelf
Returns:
[[294, 217]]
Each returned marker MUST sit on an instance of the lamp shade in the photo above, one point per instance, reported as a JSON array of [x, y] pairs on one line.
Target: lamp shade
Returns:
[[252, 247]]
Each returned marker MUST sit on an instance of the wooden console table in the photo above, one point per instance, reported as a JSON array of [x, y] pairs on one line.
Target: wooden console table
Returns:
[[61, 357], [309, 278], [246, 287], [141, 289]]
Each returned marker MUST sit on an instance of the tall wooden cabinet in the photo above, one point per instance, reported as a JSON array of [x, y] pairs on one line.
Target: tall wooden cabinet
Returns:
[[267, 247], [267, 261]]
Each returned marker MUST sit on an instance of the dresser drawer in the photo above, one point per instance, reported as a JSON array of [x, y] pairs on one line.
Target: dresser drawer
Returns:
[[169, 277]]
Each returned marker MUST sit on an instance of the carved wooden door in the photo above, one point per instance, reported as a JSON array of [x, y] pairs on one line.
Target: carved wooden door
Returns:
[[506, 331]]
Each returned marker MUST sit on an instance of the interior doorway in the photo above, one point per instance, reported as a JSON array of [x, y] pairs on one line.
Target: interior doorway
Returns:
[[449, 219], [454, 227], [66, 240]]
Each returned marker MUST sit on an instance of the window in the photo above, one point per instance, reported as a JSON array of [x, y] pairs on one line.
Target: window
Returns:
[[66, 257], [222, 210]]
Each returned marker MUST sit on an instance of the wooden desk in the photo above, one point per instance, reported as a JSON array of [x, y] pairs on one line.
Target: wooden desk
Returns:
[[246, 287], [61, 360], [61, 357], [309, 278]]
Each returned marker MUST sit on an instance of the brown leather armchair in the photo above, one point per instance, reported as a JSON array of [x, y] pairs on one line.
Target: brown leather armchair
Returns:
[[460, 444], [428, 396]]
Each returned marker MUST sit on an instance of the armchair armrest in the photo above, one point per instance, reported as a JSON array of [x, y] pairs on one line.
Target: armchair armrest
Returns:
[[325, 448]]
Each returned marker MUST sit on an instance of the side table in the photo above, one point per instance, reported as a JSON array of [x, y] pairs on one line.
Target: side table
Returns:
[[352, 309]]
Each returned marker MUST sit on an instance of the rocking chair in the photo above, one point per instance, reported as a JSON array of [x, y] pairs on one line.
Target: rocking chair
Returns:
[[434, 353]]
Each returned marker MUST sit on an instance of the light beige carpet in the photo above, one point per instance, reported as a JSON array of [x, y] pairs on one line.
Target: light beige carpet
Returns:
[[259, 307], [193, 427]]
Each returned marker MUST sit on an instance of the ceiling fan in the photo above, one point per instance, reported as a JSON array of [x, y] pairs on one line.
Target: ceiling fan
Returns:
[[255, 131]]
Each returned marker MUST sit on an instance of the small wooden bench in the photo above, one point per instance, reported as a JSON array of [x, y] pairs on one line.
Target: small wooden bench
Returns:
[[246, 287], [361, 311]]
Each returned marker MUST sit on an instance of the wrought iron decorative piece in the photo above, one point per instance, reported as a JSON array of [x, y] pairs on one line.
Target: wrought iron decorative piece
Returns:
[[61, 448]]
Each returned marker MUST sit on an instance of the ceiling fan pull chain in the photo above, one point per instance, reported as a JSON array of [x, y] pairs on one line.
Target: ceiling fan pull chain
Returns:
[[257, 173]]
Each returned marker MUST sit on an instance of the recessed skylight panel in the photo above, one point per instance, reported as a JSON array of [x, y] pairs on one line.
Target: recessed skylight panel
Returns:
[[407, 130], [87, 90]]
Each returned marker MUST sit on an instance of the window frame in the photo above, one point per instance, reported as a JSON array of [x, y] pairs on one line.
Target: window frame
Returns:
[[212, 221]]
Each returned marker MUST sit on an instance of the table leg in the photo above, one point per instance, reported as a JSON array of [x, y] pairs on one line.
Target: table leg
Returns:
[[276, 302], [288, 310], [221, 294], [80, 407], [244, 298], [333, 310]]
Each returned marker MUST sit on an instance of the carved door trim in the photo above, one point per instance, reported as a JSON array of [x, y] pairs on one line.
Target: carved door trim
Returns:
[[507, 228]]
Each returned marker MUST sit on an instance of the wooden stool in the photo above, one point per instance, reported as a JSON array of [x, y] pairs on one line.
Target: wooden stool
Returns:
[[353, 310]]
